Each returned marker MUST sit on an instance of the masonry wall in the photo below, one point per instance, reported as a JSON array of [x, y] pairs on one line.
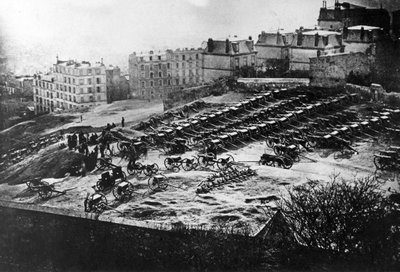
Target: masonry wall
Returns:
[[334, 70], [215, 66]]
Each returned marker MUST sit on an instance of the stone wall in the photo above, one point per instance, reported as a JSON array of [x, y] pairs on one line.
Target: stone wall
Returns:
[[334, 70]]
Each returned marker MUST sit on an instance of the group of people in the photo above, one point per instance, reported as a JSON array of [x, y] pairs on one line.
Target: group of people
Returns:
[[79, 142]]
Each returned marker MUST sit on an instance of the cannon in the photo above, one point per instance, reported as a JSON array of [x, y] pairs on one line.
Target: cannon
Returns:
[[174, 163], [96, 202], [123, 191], [108, 180], [43, 188], [136, 168], [276, 161], [158, 182]]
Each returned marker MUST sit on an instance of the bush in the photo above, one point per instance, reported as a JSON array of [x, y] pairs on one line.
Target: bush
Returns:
[[346, 220]]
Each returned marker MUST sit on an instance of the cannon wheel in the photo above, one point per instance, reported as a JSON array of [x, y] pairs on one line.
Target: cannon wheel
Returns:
[[224, 163], [278, 151], [45, 192], [154, 170], [134, 169], [154, 185], [188, 164], [287, 163], [102, 204], [103, 163], [169, 164], [379, 163], [123, 195], [269, 142]]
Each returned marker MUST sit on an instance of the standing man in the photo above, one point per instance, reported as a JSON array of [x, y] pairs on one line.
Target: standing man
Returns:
[[123, 122], [81, 118]]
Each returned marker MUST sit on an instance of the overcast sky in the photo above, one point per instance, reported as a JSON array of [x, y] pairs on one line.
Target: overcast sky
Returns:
[[38, 30]]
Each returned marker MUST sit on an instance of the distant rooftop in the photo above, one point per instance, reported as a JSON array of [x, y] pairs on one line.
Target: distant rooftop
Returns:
[[358, 27], [83, 64], [233, 38], [320, 32]]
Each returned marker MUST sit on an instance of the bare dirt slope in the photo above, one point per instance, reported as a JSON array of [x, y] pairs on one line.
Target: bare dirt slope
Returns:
[[179, 203]]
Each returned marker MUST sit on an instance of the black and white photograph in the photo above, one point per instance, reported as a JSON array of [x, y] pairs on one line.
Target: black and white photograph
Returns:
[[199, 135]]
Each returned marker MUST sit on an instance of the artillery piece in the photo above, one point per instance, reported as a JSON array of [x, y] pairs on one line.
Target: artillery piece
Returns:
[[96, 202]]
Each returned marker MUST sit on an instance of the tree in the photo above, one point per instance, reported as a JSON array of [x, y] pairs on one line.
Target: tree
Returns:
[[348, 220]]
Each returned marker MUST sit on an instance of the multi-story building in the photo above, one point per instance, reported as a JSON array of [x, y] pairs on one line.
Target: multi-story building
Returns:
[[70, 85], [226, 57], [273, 49], [362, 38], [117, 84], [309, 44], [347, 14], [153, 75]]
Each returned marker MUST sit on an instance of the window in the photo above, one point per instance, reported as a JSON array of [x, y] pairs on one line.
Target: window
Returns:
[[82, 100], [183, 65], [73, 89], [151, 67], [89, 72], [98, 98], [160, 83], [159, 74], [74, 98], [65, 80], [177, 81], [37, 91], [159, 66], [69, 89], [197, 56], [81, 90], [89, 81], [237, 63], [151, 83], [98, 89], [98, 71], [150, 58], [177, 65], [81, 72], [183, 57], [143, 74], [89, 89], [70, 99], [245, 61], [169, 82], [159, 58], [81, 81], [143, 84], [253, 60], [73, 81], [141, 58], [98, 80], [169, 74], [151, 75], [58, 95], [69, 80], [184, 81], [142, 67]]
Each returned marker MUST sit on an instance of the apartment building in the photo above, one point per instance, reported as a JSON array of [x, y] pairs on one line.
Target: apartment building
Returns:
[[70, 85], [154, 74], [225, 57]]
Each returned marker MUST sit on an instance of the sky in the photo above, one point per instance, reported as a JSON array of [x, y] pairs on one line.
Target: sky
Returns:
[[36, 31]]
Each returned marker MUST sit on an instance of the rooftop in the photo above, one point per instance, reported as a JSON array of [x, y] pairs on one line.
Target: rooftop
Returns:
[[320, 32], [83, 64], [358, 27]]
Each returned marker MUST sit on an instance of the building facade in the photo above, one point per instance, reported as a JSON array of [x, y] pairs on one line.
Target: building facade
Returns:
[[310, 44], [362, 38], [347, 14], [226, 57], [117, 84], [153, 75], [70, 85]]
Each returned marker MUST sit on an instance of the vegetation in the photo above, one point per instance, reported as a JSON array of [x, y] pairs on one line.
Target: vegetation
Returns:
[[350, 223]]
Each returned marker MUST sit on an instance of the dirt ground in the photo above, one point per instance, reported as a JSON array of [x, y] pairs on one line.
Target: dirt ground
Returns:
[[229, 204]]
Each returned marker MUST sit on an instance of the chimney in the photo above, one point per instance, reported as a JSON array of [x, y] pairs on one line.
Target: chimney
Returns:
[[362, 34], [227, 47], [210, 45], [316, 41], [101, 60], [324, 4], [250, 38]]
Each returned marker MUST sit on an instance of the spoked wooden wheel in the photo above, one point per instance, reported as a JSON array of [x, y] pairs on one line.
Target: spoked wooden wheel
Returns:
[[287, 162], [102, 204], [157, 182], [123, 195], [188, 164], [153, 169], [224, 163], [379, 163], [45, 192], [169, 164], [134, 169]]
